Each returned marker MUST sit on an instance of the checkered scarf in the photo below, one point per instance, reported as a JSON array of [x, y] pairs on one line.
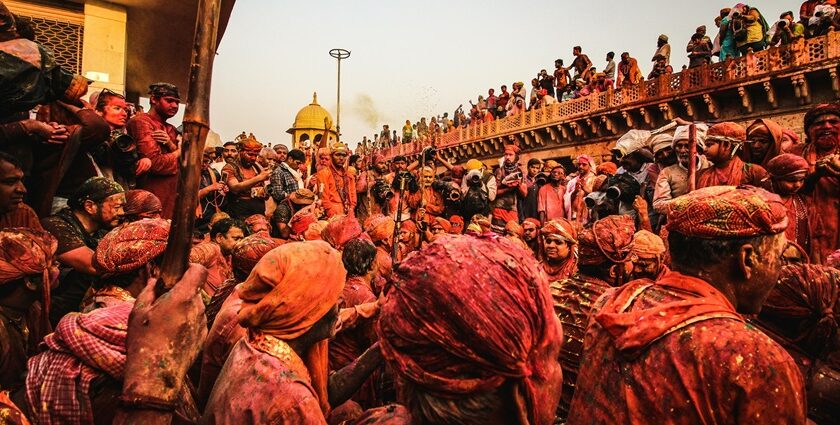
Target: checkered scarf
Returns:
[[82, 348]]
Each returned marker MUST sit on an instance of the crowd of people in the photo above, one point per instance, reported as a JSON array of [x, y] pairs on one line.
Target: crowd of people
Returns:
[[738, 30], [691, 279]]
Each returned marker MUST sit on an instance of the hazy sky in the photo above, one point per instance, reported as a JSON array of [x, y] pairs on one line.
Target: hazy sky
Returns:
[[422, 58]]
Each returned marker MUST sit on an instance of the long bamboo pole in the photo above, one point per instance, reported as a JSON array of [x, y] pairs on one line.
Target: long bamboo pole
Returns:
[[196, 127]]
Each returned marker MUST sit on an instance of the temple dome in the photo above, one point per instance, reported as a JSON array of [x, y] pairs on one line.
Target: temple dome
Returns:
[[311, 117]]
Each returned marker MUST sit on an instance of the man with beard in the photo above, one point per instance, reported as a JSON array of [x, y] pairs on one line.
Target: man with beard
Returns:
[[338, 187], [580, 185], [430, 204], [246, 181], [95, 208], [158, 141], [367, 205], [531, 236], [230, 154], [510, 190], [822, 151], [286, 178], [211, 195], [550, 198], [680, 347], [647, 256], [673, 180]]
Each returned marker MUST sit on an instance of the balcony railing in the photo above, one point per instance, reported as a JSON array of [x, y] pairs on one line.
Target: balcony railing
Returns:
[[802, 53]]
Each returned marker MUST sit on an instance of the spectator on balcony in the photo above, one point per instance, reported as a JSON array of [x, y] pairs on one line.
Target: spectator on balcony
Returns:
[[628, 71], [663, 49], [422, 128], [825, 17], [600, 83], [385, 136], [581, 64], [545, 99], [535, 88], [547, 82], [581, 88], [394, 138], [502, 102], [786, 31], [660, 68], [699, 49], [806, 10], [407, 132], [728, 48], [609, 70], [751, 32], [516, 106], [491, 101], [561, 78]]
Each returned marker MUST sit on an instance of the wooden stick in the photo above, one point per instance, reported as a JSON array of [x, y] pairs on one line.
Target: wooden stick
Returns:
[[196, 127], [692, 157]]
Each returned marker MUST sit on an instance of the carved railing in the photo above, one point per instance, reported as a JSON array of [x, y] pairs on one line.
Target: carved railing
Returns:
[[800, 54]]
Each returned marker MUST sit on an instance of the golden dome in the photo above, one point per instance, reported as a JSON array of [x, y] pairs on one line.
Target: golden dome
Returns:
[[312, 117]]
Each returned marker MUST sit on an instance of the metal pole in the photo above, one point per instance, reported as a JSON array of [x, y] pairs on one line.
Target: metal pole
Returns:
[[339, 54]]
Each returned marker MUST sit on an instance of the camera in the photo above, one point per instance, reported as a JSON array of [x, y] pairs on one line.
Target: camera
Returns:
[[381, 191], [448, 191], [541, 179], [623, 188], [473, 178], [428, 155], [408, 180]]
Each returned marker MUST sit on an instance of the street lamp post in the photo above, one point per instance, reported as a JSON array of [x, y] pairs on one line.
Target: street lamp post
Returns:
[[339, 54]]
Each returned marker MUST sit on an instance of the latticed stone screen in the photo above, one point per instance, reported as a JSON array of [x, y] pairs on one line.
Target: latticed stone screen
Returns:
[[64, 38]]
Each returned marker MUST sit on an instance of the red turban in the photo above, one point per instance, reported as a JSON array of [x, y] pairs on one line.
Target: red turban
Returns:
[[257, 223], [379, 227], [533, 221], [786, 165], [819, 110], [727, 212], [25, 252], [609, 239], [608, 168], [647, 245], [458, 172], [560, 227], [131, 246], [514, 227], [209, 255], [340, 230], [512, 149], [457, 223], [377, 159], [301, 221], [728, 132], [409, 225], [248, 251], [139, 202], [807, 295], [470, 315]]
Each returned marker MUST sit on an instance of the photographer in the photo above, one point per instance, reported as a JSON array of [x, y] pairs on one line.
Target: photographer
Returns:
[[478, 190], [511, 189], [786, 31]]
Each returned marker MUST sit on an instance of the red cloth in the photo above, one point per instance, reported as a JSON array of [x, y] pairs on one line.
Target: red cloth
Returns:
[[787, 164], [248, 252], [340, 230], [609, 239], [736, 173], [380, 227], [162, 177], [209, 255], [472, 314], [131, 246], [351, 343], [25, 252], [566, 230], [82, 348], [675, 351], [727, 212], [339, 190], [278, 299], [776, 135], [22, 216], [301, 221], [257, 223], [457, 224], [823, 202], [224, 334], [139, 202], [550, 201]]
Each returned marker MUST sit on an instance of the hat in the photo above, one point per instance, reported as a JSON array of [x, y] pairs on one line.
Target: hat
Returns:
[[512, 149], [660, 142], [95, 189], [610, 238], [817, 111], [681, 133], [340, 147], [727, 131], [663, 37], [131, 246], [281, 148], [164, 89], [250, 143], [138, 201], [608, 168], [551, 164], [443, 223], [302, 197], [647, 245], [786, 165], [727, 212], [473, 164], [634, 141]]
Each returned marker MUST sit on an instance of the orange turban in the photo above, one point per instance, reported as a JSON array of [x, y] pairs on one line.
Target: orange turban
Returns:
[[380, 227], [247, 252], [647, 245], [727, 212], [25, 252], [610, 238], [340, 230], [562, 228], [443, 224]]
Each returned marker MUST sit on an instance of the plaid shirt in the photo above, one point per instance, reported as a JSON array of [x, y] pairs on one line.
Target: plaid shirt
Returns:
[[282, 183]]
